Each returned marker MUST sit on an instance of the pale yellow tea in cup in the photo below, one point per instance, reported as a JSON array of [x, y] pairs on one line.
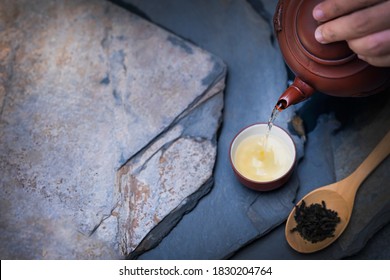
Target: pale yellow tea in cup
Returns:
[[263, 159]]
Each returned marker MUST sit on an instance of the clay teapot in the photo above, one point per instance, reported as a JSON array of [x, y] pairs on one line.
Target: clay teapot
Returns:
[[333, 69]]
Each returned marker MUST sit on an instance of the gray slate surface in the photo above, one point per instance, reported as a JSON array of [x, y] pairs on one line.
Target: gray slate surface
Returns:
[[231, 216], [87, 89], [228, 217], [338, 143]]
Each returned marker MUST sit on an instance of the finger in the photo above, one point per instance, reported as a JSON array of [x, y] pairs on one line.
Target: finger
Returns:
[[355, 25], [330, 9], [375, 45], [380, 61]]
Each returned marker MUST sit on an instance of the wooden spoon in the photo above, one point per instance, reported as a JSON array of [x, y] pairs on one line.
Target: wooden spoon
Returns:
[[340, 197]]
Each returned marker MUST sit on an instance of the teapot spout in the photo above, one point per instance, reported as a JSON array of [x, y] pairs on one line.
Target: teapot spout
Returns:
[[295, 93]]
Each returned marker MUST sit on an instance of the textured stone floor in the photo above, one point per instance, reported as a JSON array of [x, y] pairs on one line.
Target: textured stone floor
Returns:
[[107, 128], [340, 133], [94, 74]]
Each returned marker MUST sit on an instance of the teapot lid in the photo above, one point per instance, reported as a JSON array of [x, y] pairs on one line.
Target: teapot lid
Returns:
[[332, 53], [329, 68]]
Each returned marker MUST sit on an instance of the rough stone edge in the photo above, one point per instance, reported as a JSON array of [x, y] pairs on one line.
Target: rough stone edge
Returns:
[[214, 89], [164, 227], [157, 234]]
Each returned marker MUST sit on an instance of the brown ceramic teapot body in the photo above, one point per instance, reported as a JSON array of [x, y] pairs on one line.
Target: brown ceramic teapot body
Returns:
[[333, 69]]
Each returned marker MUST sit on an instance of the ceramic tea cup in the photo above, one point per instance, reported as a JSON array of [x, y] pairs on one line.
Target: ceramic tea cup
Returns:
[[262, 163]]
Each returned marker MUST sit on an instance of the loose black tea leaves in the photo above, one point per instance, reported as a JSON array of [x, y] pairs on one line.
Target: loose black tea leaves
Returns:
[[315, 222]]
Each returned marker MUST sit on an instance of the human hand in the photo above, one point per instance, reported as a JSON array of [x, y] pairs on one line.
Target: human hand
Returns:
[[365, 25]]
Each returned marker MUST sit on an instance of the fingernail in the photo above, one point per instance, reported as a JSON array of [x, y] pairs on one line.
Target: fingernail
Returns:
[[318, 35], [318, 14]]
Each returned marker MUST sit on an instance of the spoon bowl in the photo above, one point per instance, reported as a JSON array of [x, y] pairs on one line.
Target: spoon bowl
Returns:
[[335, 202], [339, 197]]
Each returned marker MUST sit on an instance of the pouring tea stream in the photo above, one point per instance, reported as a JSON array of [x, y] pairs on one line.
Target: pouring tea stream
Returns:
[[339, 197]]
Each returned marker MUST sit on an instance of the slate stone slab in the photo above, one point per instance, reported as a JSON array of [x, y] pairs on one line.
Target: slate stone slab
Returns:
[[230, 216], [339, 141], [351, 146], [373, 249], [318, 161], [159, 183], [88, 88]]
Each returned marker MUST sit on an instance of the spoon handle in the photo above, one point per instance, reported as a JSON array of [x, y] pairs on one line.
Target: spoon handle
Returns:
[[380, 152]]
